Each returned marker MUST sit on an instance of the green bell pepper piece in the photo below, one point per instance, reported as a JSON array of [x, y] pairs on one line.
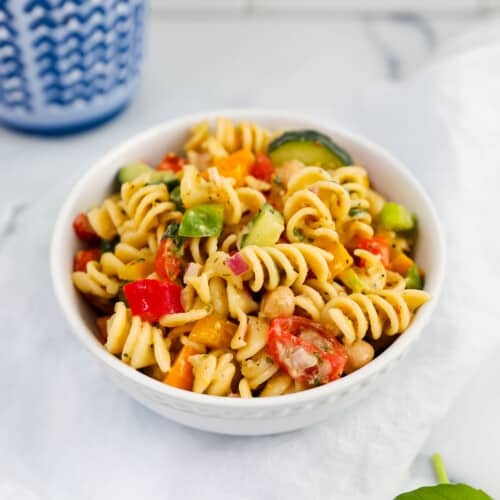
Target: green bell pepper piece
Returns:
[[202, 220], [413, 279], [395, 217]]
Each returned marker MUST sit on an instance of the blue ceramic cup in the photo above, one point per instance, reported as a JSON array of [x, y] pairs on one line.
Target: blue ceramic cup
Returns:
[[67, 65]]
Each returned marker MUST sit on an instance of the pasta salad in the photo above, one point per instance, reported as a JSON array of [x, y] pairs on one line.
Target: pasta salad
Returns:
[[254, 263]]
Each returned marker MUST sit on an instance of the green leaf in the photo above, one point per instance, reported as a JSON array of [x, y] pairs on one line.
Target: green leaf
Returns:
[[445, 492]]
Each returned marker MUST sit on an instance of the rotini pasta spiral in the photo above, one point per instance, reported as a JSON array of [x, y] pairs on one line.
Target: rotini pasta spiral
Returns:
[[257, 266], [145, 203], [311, 297], [199, 134], [107, 219], [387, 312], [195, 190], [202, 248], [253, 137], [357, 223], [213, 372], [225, 134], [308, 218], [228, 137], [285, 264], [227, 299], [95, 282], [332, 194], [139, 343], [102, 278]]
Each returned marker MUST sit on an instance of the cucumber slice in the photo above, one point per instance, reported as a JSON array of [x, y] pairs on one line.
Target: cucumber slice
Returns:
[[351, 279], [396, 217], [309, 147], [265, 228], [130, 172], [413, 279]]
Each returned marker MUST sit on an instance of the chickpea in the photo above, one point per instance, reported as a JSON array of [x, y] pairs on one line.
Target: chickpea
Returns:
[[278, 302], [360, 353]]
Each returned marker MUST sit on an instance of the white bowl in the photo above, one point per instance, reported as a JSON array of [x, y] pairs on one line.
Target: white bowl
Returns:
[[233, 415]]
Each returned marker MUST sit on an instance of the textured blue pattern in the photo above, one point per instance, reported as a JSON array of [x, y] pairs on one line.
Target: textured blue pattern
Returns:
[[82, 55], [83, 71], [14, 91]]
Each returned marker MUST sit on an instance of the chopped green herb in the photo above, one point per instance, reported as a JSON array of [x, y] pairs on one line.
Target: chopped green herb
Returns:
[[109, 245], [269, 360], [172, 231], [175, 196], [121, 294], [356, 211], [299, 234], [277, 180]]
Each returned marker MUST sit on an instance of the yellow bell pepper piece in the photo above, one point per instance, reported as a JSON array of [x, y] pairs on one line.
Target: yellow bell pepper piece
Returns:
[[213, 331], [401, 263], [136, 270], [235, 165], [341, 257], [181, 373]]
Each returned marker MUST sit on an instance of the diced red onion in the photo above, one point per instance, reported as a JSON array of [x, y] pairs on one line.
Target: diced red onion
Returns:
[[237, 264]]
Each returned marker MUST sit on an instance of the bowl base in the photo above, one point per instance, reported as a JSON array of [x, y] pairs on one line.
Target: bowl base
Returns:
[[60, 130]]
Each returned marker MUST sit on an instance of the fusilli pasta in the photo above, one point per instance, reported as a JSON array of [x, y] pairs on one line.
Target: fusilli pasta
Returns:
[[259, 264]]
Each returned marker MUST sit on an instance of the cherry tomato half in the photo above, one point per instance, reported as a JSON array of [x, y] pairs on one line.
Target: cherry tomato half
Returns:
[[167, 264], [83, 257], [305, 351], [83, 229], [262, 168], [377, 246]]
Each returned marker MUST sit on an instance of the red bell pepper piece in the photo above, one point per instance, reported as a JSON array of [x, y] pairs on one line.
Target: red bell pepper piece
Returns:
[[151, 299], [171, 162], [377, 246], [305, 350], [262, 168]]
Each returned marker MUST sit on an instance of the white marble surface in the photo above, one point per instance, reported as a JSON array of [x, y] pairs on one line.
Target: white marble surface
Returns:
[[317, 66]]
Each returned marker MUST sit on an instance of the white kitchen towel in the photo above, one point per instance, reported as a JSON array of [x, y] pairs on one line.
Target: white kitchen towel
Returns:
[[66, 432]]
